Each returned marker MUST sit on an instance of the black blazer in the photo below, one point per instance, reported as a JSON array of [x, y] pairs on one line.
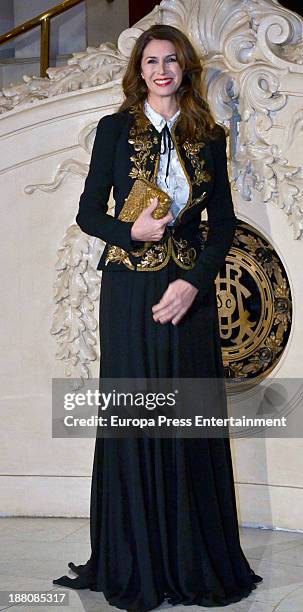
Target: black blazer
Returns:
[[123, 151]]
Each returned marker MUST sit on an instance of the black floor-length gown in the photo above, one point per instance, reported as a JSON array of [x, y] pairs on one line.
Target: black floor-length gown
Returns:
[[163, 510]]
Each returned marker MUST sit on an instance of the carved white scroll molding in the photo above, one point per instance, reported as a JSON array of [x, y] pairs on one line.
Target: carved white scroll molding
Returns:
[[69, 167], [77, 288], [97, 66]]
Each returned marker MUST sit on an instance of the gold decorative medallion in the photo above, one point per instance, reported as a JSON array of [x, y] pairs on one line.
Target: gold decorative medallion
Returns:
[[254, 307]]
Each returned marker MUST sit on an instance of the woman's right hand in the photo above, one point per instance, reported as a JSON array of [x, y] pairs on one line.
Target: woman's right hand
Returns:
[[146, 228]]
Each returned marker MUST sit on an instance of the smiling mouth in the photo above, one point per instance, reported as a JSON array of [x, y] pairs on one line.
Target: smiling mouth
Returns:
[[163, 82]]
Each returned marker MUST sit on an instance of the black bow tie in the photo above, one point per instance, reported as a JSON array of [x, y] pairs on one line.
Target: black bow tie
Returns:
[[168, 145]]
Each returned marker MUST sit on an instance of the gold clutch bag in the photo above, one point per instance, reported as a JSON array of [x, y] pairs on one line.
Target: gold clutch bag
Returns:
[[140, 197]]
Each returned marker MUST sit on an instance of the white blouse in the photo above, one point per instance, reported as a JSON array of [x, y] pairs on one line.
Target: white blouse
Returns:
[[177, 185]]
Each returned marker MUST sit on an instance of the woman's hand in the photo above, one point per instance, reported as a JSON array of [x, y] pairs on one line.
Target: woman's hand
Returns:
[[175, 302], [147, 228]]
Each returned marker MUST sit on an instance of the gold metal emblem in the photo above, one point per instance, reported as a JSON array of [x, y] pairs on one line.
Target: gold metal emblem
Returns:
[[254, 306]]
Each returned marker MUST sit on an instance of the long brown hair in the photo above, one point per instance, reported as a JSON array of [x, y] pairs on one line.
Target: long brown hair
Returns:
[[195, 121]]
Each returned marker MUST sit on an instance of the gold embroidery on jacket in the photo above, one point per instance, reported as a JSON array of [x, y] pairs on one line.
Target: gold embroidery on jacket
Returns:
[[189, 199], [118, 255], [142, 140], [192, 149], [183, 255], [155, 257], [147, 244]]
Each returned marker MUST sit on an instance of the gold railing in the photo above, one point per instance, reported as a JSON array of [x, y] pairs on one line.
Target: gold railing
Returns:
[[42, 20]]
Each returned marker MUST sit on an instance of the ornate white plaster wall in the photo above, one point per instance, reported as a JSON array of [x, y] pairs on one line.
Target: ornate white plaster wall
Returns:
[[252, 51], [36, 469]]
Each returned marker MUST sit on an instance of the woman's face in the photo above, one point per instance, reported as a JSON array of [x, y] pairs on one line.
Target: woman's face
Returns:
[[160, 68]]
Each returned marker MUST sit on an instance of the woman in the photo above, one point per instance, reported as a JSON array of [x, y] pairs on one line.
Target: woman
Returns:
[[163, 510]]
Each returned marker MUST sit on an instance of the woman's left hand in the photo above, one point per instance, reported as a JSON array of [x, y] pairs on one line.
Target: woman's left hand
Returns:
[[175, 302]]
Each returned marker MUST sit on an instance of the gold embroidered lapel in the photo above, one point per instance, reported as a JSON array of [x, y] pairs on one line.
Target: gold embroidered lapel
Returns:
[[192, 150], [143, 140]]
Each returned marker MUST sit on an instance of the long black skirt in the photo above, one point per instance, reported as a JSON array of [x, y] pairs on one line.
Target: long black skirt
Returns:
[[163, 516]]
